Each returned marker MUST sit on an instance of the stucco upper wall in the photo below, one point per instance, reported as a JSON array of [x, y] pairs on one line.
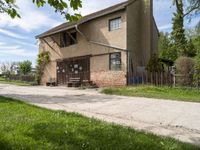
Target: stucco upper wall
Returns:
[[141, 37], [155, 37], [96, 30]]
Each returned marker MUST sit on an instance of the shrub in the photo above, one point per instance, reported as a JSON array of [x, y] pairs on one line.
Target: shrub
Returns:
[[42, 61], [185, 70], [197, 71], [155, 64]]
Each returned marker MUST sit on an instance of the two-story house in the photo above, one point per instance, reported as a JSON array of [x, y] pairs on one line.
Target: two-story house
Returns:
[[106, 47]]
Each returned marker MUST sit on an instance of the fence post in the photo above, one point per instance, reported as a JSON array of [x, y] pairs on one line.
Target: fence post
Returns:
[[174, 80], [146, 77]]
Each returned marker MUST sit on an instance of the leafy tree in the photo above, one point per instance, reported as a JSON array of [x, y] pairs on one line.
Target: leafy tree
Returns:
[[184, 8], [197, 71], [196, 39], [8, 68], [190, 7], [191, 51], [178, 32], [25, 67], [164, 41], [193, 8], [166, 49], [194, 36], [10, 7]]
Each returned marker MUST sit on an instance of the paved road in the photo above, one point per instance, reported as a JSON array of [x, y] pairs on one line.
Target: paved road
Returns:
[[180, 120]]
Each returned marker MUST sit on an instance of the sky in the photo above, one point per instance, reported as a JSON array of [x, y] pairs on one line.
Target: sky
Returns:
[[17, 36]]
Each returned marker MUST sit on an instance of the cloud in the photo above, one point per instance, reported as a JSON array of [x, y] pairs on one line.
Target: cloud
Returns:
[[165, 27], [25, 43], [32, 18], [90, 6], [1, 43], [11, 34], [17, 52], [8, 47]]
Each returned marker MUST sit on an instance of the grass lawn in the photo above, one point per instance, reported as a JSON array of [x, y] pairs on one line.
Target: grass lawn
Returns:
[[23, 126], [183, 94], [20, 83]]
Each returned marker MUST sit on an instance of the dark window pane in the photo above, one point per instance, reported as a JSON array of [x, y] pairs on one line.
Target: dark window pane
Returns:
[[73, 38], [115, 61]]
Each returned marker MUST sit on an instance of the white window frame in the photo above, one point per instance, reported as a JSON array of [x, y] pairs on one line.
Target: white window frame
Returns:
[[115, 24]]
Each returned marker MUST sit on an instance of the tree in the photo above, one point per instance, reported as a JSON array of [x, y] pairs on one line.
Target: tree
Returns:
[[178, 32], [10, 7], [191, 51], [194, 36], [184, 8], [164, 41], [193, 8], [197, 71], [190, 7], [8, 68], [25, 67], [166, 50]]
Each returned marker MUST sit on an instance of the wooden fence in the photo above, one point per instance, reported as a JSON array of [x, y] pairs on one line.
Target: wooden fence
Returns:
[[26, 78], [154, 78], [163, 79]]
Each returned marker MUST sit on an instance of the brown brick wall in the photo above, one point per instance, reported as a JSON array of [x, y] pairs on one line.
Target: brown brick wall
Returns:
[[108, 78]]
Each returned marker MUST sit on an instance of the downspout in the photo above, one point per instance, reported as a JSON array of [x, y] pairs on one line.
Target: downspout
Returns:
[[109, 46]]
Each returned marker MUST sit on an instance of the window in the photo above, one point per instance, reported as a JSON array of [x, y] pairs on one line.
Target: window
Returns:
[[115, 61], [73, 38], [114, 24], [67, 39]]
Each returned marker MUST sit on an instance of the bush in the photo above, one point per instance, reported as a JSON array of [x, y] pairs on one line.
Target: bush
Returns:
[[42, 60], [155, 64], [197, 71], [185, 70]]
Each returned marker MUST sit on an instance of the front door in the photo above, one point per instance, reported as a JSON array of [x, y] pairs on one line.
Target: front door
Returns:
[[73, 68], [61, 73]]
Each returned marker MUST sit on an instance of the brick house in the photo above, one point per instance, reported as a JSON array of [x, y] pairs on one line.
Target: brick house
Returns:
[[106, 47]]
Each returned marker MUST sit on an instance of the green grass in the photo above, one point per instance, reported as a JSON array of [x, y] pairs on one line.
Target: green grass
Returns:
[[183, 94], [19, 83], [24, 126]]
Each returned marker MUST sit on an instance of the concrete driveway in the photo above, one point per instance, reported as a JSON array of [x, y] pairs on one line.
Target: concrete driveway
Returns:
[[180, 120]]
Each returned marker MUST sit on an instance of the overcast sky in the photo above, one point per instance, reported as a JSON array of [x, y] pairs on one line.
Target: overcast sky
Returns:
[[17, 36]]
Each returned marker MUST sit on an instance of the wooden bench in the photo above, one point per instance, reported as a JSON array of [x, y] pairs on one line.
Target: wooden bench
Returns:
[[74, 82]]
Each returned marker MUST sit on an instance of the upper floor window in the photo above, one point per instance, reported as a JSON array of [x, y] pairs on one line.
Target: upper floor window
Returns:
[[115, 24], [68, 38], [115, 61]]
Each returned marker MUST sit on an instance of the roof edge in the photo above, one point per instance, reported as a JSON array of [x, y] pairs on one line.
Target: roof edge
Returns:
[[87, 18]]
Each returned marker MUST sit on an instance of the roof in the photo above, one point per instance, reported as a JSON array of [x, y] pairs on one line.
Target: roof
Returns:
[[70, 25]]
